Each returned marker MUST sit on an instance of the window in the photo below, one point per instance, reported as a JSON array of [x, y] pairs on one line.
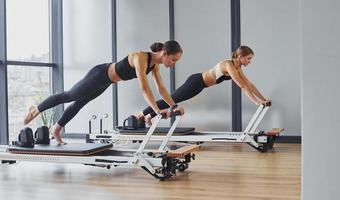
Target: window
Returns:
[[26, 86], [28, 51], [87, 42], [28, 30]]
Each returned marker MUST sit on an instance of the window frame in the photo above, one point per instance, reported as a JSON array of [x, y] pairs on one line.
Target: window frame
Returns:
[[56, 62]]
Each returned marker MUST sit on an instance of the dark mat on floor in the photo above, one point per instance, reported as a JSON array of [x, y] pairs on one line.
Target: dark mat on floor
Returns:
[[158, 131], [70, 149]]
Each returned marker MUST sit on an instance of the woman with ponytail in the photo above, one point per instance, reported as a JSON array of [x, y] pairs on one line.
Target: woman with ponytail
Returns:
[[224, 70], [100, 77]]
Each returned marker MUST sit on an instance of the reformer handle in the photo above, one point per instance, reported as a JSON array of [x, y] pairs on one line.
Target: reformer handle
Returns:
[[105, 116], [171, 131], [172, 114], [93, 117], [267, 104], [151, 130]]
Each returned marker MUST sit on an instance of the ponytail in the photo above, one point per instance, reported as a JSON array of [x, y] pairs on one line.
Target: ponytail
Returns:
[[157, 46], [170, 47], [234, 54], [242, 51]]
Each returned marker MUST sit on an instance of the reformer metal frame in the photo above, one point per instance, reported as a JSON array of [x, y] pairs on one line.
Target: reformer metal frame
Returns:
[[257, 139], [158, 163]]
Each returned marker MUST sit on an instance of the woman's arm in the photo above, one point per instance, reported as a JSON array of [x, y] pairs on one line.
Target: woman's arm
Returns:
[[161, 88], [139, 60], [163, 91], [252, 87], [235, 75]]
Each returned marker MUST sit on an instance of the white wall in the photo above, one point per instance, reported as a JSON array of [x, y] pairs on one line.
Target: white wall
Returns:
[[205, 37], [272, 29], [139, 24], [203, 28], [87, 42], [320, 99]]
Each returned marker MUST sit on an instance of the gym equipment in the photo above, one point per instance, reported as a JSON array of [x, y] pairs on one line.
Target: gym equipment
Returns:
[[75, 149], [162, 162], [140, 123], [260, 140], [42, 135], [133, 123], [105, 116], [158, 131], [93, 117], [25, 138]]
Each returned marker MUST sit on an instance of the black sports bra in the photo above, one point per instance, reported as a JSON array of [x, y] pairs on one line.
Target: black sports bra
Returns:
[[126, 72]]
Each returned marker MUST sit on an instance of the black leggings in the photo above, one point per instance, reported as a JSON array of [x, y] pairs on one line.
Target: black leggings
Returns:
[[192, 87], [91, 86]]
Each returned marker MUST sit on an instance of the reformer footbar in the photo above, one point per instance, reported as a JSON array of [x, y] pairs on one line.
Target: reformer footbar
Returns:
[[161, 163], [262, 141]]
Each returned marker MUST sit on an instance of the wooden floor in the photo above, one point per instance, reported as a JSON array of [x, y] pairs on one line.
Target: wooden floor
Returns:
[[232, 171]]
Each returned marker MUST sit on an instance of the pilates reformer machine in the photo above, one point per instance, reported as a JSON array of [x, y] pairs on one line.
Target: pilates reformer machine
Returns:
[[161, 162], [260, 140]]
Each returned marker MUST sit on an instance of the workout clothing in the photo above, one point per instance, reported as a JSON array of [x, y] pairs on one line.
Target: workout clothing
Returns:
[[192, 87], [220, 77], [95, 82], [126, 72], [91, 86]]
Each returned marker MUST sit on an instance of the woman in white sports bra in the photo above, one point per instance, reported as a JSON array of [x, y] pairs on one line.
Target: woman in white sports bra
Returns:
[[224, 70]]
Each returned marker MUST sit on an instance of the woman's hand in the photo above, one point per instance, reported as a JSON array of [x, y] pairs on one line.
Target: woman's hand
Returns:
[[266, 102], [165, 113], [180, 109], [148, 119], [139, 115]]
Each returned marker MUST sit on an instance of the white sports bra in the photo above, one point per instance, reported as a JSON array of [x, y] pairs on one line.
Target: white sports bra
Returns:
[[220, 77]]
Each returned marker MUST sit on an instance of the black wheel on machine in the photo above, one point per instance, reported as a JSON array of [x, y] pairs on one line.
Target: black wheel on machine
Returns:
[[181, 167], [150, 153], [169, 168], [270, 141], [262, 148], [103, 141], [166, 174]]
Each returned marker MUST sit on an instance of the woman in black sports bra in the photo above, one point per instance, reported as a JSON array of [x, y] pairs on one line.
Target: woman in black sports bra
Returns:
[[100, 77], [224, 70]]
